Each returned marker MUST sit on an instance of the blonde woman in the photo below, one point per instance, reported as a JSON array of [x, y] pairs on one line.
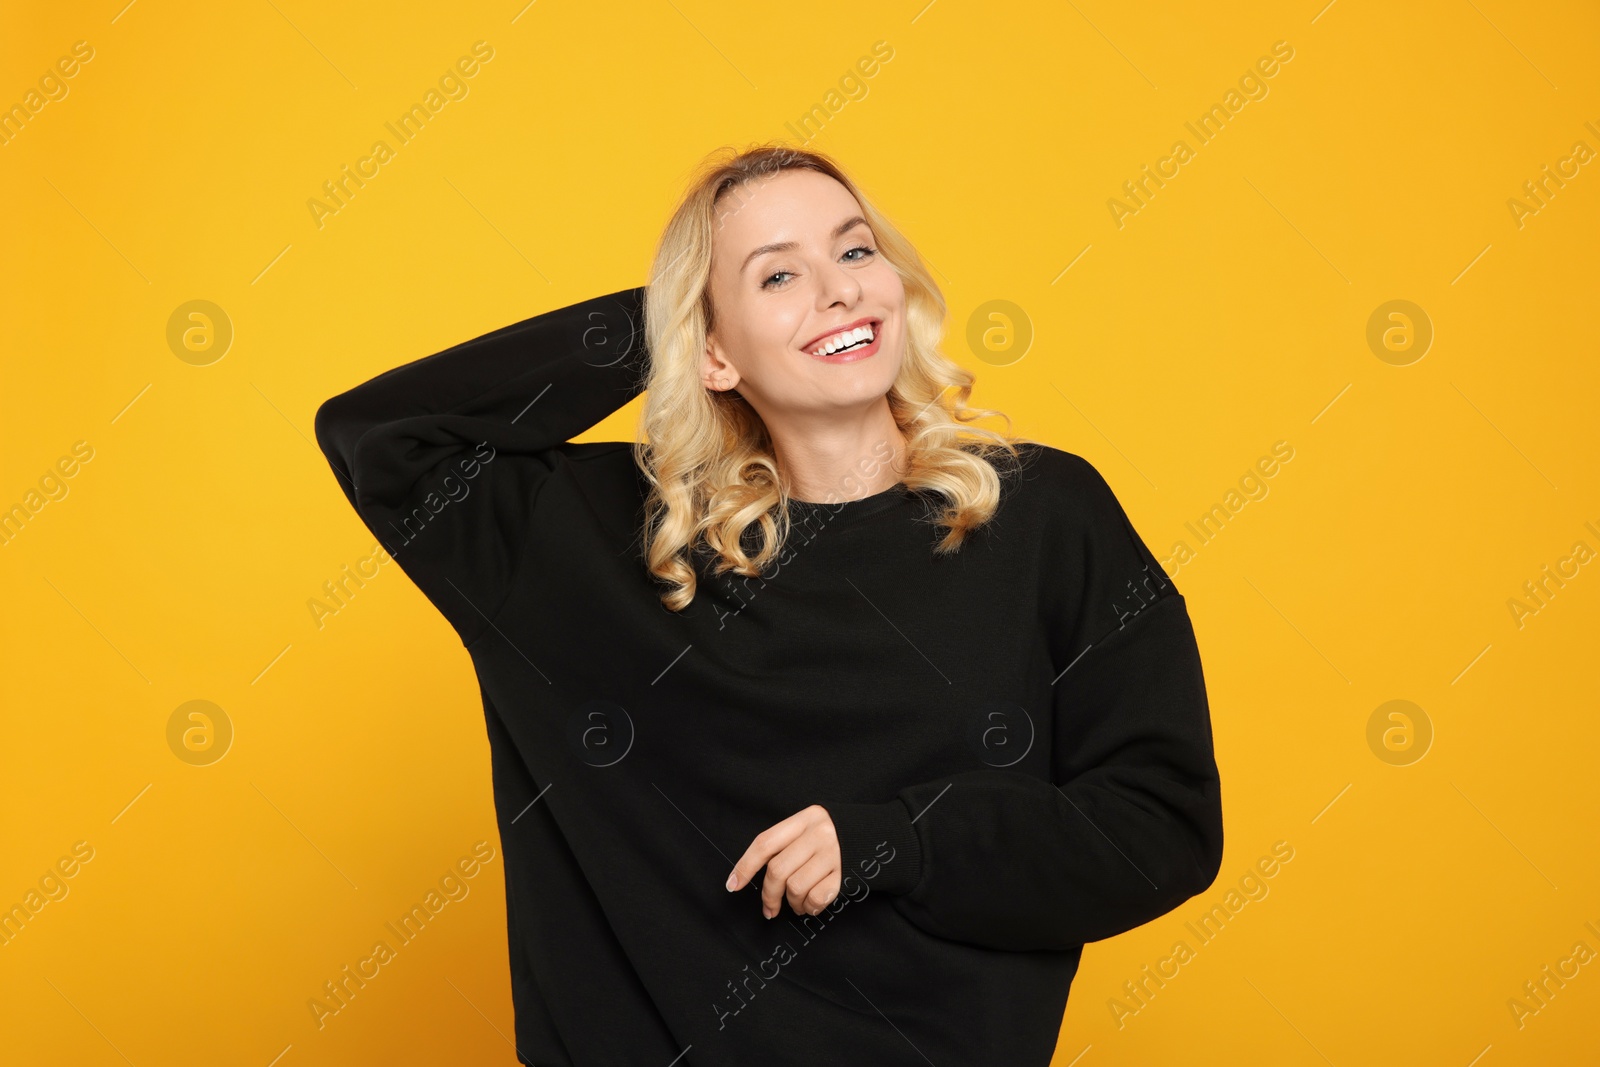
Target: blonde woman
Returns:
[[826, 726]]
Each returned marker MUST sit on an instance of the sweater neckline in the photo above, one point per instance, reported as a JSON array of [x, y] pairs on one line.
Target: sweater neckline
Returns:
[[849, 510]]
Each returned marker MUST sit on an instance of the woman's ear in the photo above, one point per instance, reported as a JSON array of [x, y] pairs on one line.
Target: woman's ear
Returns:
[[716, 373]]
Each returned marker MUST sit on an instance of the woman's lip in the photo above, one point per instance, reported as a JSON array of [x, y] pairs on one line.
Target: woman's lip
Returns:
[[847, 327], [853, 354]]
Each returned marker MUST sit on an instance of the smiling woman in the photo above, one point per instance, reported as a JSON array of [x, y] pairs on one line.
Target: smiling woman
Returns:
[[742, 413], [836, 746]]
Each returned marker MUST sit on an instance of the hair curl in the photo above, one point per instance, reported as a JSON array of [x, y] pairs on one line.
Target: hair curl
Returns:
[[708, 456]]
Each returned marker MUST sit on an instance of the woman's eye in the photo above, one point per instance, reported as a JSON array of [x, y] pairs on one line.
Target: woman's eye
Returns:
[[771, 284]]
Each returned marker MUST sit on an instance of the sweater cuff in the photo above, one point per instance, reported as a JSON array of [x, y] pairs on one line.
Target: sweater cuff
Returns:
[[878, 844]]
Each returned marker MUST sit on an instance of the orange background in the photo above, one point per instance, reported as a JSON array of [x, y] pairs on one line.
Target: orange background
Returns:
[[1174, 346]]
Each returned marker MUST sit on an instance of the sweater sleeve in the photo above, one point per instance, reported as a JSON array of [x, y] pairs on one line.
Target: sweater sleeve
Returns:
[[442, 457], [1130, 824]]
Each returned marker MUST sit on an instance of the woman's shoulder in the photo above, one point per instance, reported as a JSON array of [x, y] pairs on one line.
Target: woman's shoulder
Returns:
[[1048, 469], [1067, 489]]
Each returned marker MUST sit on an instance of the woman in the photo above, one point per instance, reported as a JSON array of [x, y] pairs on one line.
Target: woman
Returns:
[[825, 728]]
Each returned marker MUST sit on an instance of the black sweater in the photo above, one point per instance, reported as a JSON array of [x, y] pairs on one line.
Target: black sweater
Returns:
[[1013, 742]]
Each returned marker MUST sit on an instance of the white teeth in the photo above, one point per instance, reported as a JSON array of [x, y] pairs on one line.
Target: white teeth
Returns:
[[843, 340]]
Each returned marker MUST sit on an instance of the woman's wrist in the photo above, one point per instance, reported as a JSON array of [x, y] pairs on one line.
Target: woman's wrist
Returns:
[[878, 844]]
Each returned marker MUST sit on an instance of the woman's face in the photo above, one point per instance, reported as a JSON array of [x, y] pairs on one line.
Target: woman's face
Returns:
[[792, 262]]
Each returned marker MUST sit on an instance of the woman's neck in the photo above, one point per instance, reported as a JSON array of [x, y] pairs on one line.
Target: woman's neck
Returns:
[[843, 460]]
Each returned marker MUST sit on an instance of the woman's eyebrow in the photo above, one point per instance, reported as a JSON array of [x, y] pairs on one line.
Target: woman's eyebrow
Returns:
[[788, 246]]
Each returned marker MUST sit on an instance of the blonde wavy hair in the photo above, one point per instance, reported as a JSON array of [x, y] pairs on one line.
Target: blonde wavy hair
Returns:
[[709, 458]]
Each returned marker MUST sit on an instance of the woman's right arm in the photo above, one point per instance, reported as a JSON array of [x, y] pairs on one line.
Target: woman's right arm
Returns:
[[442, 457]]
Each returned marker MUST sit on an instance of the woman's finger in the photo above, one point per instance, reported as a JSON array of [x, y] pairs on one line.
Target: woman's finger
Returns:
[[767, 844], [814, 886], [780, 869]]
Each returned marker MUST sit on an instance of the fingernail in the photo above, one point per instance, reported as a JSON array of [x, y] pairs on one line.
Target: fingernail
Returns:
[[733, 880]]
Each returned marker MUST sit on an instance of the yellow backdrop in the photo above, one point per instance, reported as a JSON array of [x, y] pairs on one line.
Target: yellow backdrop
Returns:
[[1313, 286]]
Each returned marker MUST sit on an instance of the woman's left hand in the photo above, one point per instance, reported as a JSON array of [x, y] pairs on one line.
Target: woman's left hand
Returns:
[[801, 855]]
